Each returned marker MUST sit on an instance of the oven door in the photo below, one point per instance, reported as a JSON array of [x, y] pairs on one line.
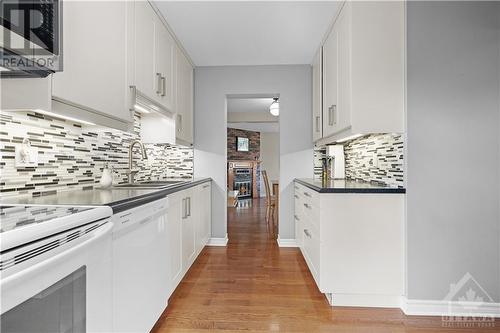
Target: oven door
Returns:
[[59, 284]]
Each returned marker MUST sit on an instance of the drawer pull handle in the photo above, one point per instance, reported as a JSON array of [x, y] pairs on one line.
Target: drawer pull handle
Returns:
[[296, 196], [125, 215], [125, 221], [307, 206], [307, 194], [308, 234], [296, 217], [205, 186]]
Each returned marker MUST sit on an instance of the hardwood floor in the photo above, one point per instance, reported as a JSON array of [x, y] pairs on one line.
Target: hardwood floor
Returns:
[[253, 285]]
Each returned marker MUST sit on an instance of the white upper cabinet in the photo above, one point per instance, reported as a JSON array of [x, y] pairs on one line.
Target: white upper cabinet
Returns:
[[330, 82], [184, 99], [165, 54], [317, 75], [364, 71], [154, 56], [95, 59], [146, 81]]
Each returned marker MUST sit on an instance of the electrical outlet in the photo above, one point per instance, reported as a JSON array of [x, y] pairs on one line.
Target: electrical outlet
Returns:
[[26, 156]]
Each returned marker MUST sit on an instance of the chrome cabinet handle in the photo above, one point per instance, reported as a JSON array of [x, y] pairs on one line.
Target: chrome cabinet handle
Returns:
[[189, 206], [317, 123], [334, 114], [179, 122], [307, 194], [330, 118], [296, 217], [296, 196], [308, 234], [158, 83], [184, 207], [205, 186], [163, 86], [307, 206], [133, 97]]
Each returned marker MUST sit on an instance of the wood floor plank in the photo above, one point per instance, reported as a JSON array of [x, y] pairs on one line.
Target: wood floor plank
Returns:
[[252, 285]]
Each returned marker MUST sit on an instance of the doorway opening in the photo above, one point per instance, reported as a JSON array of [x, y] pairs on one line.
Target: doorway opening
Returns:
[[253, 157]]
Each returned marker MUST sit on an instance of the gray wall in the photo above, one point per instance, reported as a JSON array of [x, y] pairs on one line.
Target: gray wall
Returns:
[[453, 147], [212, 86]]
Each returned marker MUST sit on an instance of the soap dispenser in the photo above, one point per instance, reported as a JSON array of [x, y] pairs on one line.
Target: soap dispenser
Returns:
[[106, 177]]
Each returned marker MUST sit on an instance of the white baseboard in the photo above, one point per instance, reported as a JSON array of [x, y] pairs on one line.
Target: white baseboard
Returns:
[[286, 242], [217, 241], [364, 300], [414, 307]]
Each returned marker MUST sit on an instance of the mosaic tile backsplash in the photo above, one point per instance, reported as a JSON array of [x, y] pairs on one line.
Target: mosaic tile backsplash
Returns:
[[373, 158], [71, 156]]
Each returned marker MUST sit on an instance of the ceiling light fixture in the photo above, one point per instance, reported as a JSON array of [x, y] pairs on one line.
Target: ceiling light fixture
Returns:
[[274, 108], [55, 115]]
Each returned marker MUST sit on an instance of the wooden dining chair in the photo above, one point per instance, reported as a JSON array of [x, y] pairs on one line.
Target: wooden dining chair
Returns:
[[271, 204]]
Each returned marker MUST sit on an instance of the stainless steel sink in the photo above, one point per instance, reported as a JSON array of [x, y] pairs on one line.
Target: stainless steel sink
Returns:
[[150, 184]]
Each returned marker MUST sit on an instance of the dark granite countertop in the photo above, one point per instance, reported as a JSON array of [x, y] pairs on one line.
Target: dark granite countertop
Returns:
[[347, 186], [118, 199]]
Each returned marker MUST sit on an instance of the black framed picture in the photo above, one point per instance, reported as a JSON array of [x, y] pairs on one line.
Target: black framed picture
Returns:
[[242, 144]]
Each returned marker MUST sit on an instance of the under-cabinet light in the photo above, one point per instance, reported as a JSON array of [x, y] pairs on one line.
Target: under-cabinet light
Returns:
[[56, 115]]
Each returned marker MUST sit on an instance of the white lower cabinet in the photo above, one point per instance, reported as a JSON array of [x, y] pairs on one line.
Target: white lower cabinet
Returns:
[[189, 225], [353, 245], [174, 237]]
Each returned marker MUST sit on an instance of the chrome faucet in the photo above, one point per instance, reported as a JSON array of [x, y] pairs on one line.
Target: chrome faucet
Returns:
[[131, 173]]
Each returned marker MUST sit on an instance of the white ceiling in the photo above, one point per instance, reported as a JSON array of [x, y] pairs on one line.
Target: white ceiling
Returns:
[[220, 33], [248, 104], [257, 127]]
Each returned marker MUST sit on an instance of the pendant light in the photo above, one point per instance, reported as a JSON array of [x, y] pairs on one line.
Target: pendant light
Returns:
[[274, 108]]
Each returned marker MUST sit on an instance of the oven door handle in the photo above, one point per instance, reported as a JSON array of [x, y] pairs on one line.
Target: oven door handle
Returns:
[[35, 268]]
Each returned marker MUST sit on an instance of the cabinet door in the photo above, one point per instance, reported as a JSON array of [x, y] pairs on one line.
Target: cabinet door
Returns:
[[342, 116], [95, 58], [184, 99], [188, 230], [330, 82], [204, 218], [317, 120], [165, 65], [147, 80], [207, 212], [175, 215]]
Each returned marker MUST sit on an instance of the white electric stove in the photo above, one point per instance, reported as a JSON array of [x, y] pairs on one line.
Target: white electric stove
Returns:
[[55, 269]]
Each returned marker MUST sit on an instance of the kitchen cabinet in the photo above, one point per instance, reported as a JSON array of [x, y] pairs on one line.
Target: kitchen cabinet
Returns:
[[317, 107], [188, 229], [184, 99], [363, 72], [175, 214], [202, 205], [353, 245], [153, 56], [95, 60], [330, 81], [189, 220]]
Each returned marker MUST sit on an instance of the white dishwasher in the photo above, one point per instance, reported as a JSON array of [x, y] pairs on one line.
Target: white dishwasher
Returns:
[[140, 267]]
